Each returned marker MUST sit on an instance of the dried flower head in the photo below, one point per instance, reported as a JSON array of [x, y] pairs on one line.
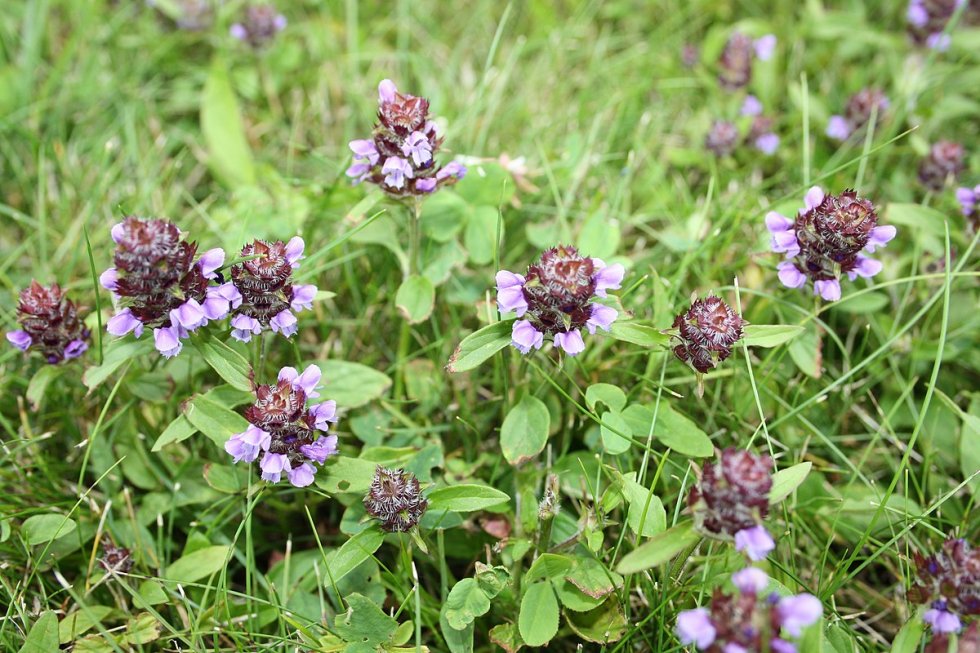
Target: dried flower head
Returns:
[[292, 434], [927, 21], [395, 499], [706, 333], [115, 559], [722, 138], [826, 239], [400, 156], [748, 621], [259, 25], [949, 582], [49, 324], [944, 162], [160, 285], [732, 499], [557, 298], [267, 297], [857, 114], [735, 62]]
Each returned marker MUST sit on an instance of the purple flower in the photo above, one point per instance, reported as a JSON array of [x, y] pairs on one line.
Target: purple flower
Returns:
[[426, 185], [781, 646], [968, 198], [838, 128], [244, 327], [303, 297], [695, 627], [706, 333], [108, 279], [284, 323], [602, 318], [189, 315], [272, 466], [418, 147], [765, 46], [941, 619], [570, 341], [525, 337], [510, 293], [210, 261], [755, 542], [294, 251], [452, 170], [321, 449], [301, 475], [750, 580], [767, 143], [829, 289], [790, 276], [917, 14], [49, 324], [259, 25], [220, 300], [364, 150], [307, 381], [949, 582], [938, 41], [395, 499], [323, 413], [247, 445], [607, 277], [396, 171], [123, 322], [387, 91], [117, 232], [783, 235], [75, 349], [732, 495], [167, 341], [19, 339], [798, 612], [751, 106]]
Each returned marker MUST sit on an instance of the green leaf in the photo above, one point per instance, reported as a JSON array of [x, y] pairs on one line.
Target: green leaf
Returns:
[[198, 564], [465, 498], [507, 637], [213, 419], [610, 429], [228, 363], [43, 637], [342, 474], [659, 549], [117, 353], [352, 554], [786, 480], [599, 235], [443, 215], [40, 382], [492, 580], [646, 515], [486, 184], [364, 622], [673, 429], [806, 353], [351, 385], [603, 625], [229, 154], [80, 621], [480, 345], [538, 619], [970, 446], [608, 394], [917, 217], [591, 577], [870, 302], [40, 529], [415, 299], [466, 602], [480, 237], [638, 334], [524, 432], [549, 566], [458, 641], [769, 335], [908, 638]]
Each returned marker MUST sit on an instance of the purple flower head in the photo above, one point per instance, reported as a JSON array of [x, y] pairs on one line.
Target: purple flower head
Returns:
[[556, 298], [767, 143], [706, 332], [765, 46], [395, 499], [267, 294], [400, 155], [49, 324], [189, 315], [695, 627], [861, 106], [210, 261], [939, 42], [735, 62], [220, 300], [751, 106], [968, 198], [167, 340], [944, 163], [292, 435], [949, 581], [838, 128], [798, 612], [722, 138], [123, 322], [733, 497], [259, 25], [750, 580], [826, 241], [917, 14], [928, 21], [967, 641]]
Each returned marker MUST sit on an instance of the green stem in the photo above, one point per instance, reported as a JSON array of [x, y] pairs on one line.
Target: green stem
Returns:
[[415, 237]]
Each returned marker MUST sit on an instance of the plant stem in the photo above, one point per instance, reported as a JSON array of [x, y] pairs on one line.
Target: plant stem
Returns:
[[414, 244]]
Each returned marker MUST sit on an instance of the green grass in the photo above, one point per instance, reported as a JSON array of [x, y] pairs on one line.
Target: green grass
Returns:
[[101, 117]]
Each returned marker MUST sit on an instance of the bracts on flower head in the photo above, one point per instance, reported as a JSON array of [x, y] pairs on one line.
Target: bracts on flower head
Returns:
[[259, 25], [943, 163], [735, 62], [49, 324], [289, 435], [400, 155], [161, 284], [264, 294], [706, 333], [949, 583], [732, 499], [826, 240], [860, 108], [928, 20], [557, 298], [731, 623], [395, 499]]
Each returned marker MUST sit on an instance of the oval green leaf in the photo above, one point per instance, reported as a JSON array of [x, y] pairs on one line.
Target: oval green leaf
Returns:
[[525, 430], [538, 619], [480, 345], [465, 498]]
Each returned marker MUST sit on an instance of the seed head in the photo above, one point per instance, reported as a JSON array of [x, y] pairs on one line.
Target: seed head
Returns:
[[707, 331], [395, 499], [49, 324]]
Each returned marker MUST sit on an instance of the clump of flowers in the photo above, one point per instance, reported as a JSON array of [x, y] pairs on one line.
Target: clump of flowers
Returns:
[[395, 499], [400, 155], [857, 113], [826, 240], [706, 333], [735, 62], [927, 20], [747, 620], [945, 161], [160, 285], [264, 295], [722, 138], [259, 25], [290, 435], [556, 298], [949, 582], [732, 499], [49, 324]]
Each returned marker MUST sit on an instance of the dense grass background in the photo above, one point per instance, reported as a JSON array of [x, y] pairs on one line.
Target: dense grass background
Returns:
[[101, 116]]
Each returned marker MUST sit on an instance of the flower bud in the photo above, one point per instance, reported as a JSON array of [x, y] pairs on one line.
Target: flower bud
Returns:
[[395, 499], [49, 324]]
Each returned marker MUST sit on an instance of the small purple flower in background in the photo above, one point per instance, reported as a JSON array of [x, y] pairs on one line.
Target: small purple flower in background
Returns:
[[927, 21], [556, 298], [751, 106], [690, 55], [706, 333], [259, 25], [968, 199], [765, 47], [762, 136], [400, 155], [289, 435], [748, 621], [949, 582], [735, 62], [49, 324], [159, 284], [395, 499], [722, 138], [732, 499], [944, 162], [967, 642], [264, 295], [857, 114], [825, 241]]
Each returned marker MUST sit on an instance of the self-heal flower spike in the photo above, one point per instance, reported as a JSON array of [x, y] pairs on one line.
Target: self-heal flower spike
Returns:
[[735, 63], [706, 333], [732, 499], [927, 21], [400, 155], [944, 162], [722, 138], [949, 582], [159, 284], [556, 298], [49, 324], [967, 641], [827, 240], [284, 434], [857, 114], [259, 25], [748, 620], [266, 296], [395, 499]]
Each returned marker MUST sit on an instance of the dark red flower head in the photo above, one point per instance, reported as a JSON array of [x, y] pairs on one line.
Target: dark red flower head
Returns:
[[735, 63], [832, 233], [733, 493], [395, 498], [951, 575], [944, 162], [50, 324], [707, 332]]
